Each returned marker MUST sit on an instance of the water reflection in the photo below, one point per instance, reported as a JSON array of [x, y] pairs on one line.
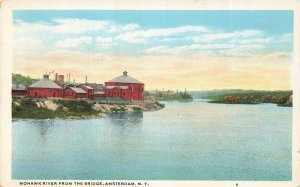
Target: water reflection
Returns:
[[126, 118], [43, 127]]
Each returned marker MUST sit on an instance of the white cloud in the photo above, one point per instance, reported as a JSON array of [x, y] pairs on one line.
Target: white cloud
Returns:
[[104, 42], [104, 39], [287, 37], [27, 44], [141, 36], [227, 36], [21, 27], [114, 28], [255, 41], [77, 26], [74, 42], [73, 26]]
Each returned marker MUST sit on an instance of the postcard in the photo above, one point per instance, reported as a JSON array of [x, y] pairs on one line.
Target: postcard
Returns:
[[143, 93]]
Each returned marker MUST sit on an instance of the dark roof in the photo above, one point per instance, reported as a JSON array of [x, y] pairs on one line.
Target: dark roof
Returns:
[[125, 79], [45, 82], [18, 87]]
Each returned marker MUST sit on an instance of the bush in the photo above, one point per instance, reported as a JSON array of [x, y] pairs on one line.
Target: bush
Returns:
[[136, 109]]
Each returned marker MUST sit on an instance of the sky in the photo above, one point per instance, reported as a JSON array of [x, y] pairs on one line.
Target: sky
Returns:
[[164, 49]]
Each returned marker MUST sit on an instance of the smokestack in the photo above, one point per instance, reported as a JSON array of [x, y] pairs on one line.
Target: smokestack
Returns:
[[85, 79]]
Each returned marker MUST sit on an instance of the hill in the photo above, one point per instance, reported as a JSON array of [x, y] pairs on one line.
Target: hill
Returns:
[[25, 80]]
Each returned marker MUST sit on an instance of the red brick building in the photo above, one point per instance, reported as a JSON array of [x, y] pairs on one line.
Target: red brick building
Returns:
[[73, 93], [125, 87], [89, 90], [44, 88]]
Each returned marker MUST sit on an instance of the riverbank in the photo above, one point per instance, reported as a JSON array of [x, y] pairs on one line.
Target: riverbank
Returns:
[[77, 109], [169, 95], [280, 98]]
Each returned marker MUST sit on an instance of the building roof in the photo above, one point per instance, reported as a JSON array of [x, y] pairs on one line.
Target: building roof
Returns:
[[125, 79], [96, 86], [87, 86], [18, 87], [78, 90], [120, 87], [45, 82]]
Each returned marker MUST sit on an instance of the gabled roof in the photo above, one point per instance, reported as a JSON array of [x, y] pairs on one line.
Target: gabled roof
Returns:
[[120, 87], [78, 90], [45, 83], [125, 79], [18, 87], [87, 86]]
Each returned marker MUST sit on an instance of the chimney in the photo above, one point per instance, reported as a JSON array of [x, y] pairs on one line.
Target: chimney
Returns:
[[56, 77], [46, 76], [125, 73], [61, 78], [85, 79]]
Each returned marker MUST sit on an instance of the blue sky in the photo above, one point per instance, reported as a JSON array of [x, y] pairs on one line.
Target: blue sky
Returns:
[[185, 41], [270, 24]]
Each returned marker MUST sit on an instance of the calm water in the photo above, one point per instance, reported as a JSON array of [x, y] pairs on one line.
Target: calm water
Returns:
[[185, 141]]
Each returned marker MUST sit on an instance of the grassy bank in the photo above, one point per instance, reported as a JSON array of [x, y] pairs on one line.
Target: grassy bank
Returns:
[[60, 108], [27, 108]]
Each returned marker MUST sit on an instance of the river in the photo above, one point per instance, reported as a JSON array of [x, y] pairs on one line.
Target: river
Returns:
[[184, 141]]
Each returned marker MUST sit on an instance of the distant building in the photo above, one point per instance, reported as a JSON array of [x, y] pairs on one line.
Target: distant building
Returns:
[[74, 92], [89, 90], [98, 90], [125, 87], [18, 90], [44, 88], [59, 79]]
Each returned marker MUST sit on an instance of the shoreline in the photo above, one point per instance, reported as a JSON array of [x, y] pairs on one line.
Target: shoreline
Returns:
[[249, 103], [24, 108]]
